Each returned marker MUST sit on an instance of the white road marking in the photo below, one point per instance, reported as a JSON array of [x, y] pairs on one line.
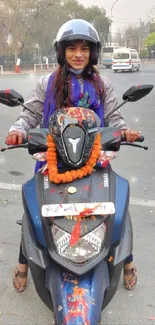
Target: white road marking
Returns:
[[7, 186], [147, 74], [142, 202], [133, 200]]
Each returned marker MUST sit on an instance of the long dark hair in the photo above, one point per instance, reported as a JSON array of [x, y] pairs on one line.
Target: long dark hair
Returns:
[[61, 87]]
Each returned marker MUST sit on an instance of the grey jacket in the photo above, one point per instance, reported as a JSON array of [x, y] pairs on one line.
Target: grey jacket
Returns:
[[35, 102]]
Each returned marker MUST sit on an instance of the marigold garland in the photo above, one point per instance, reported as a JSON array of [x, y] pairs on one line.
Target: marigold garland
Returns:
[[70, 176]]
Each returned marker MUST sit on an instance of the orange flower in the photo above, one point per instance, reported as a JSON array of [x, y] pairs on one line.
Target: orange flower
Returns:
[[69, 176]]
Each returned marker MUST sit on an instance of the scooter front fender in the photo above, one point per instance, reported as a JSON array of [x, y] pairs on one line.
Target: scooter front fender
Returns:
[[77, 300]]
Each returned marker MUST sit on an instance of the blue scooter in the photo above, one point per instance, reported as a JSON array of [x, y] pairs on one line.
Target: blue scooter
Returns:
[[76, 280]]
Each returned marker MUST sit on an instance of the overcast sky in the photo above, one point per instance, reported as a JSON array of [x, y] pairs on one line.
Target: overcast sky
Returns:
[[125, 11]]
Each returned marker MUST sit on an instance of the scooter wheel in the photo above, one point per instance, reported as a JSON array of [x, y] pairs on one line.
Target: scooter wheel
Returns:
[[54, 320]]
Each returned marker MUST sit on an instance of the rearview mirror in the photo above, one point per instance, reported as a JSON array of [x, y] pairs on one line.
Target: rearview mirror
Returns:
[[137, 92], [11, 98]]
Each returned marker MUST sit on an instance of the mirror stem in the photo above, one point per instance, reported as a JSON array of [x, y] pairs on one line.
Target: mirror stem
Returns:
[[28, 109], [117, 107]]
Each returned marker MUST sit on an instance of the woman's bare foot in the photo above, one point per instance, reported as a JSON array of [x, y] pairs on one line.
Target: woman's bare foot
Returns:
[[20, 277], [130, 276]]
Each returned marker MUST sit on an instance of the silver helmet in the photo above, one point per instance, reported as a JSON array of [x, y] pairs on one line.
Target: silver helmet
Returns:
[[77, 29]]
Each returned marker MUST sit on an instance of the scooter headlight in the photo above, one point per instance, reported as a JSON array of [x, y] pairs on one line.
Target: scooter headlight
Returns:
[[86, 248]]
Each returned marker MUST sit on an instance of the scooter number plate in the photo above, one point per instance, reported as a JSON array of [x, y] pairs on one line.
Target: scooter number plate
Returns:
[[74, 209]]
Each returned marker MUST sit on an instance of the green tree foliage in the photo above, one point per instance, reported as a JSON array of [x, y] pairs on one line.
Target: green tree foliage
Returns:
[[150, 40], [97, 16], [30, 26], [150, 44], [144, 53]]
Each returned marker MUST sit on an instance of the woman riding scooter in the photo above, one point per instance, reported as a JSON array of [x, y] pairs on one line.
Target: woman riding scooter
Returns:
[[75, 82]]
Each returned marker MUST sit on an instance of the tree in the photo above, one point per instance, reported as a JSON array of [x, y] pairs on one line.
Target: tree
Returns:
[[132, 37], [144, 53], [72, 9], [136, 34], [22, 17], [30, 26], [97, 16], [151, 16], [150, 43], [150, 40], [3, 31]]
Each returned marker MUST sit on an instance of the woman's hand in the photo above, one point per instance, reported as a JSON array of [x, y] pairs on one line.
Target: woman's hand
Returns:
[[130, 135], [14, 138]]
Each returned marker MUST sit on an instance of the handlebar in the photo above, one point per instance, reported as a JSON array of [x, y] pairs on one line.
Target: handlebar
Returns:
[[38, 142], [140, 139]]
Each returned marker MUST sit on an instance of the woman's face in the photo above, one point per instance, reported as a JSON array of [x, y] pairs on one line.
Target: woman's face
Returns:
[[77, 55]]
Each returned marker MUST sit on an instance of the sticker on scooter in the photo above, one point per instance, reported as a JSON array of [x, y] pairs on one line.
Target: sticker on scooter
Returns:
[[105, 180], [46, 182], [74, 209]]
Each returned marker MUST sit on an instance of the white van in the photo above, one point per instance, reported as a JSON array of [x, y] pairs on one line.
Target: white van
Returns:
[[125, 59]]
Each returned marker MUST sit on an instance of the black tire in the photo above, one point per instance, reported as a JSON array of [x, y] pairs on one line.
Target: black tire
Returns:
[[131, 70], [54, 320], [99, 323], [115, 71]]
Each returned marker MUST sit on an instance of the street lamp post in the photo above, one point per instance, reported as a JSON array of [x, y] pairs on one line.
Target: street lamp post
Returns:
[[111, 20]]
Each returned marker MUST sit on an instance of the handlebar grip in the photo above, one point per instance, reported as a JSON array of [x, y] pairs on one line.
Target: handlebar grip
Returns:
[[140, 139], [123, 138]]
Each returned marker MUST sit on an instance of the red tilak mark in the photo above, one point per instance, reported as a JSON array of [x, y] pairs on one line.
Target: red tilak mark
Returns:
[[75, 235], [45, 173], [80, 114], [86, 212], [52, 190], [7, 91], [86, 188], [116, 134], [78, 305], [106, 163], [67, 279]]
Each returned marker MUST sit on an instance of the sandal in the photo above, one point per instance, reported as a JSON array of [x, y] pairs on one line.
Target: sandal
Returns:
[[19, 275], [130, 284]]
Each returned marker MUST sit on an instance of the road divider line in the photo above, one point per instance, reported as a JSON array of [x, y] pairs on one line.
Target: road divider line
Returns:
[[142, 202], [13, 187], [133, 200]]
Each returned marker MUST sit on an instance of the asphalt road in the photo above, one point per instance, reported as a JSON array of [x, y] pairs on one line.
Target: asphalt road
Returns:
[[137, 165]]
